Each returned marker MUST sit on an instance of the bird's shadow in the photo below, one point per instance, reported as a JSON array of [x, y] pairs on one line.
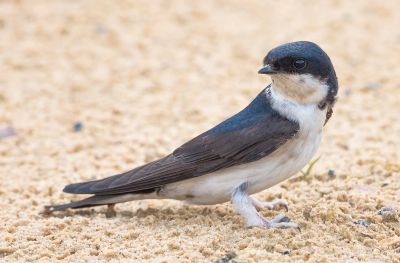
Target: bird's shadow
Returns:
[[161, 213]]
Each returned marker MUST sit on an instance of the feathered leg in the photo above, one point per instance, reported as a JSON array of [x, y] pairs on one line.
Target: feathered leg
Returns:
[[244, 205]]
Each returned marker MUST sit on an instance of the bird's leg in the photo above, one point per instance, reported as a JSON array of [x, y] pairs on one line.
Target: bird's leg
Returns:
[[244, 205], [275, 204]]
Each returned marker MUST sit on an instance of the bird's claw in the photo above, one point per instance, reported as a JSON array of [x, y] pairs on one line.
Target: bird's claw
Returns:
[[280, 206], [280, 221], [275, 204]]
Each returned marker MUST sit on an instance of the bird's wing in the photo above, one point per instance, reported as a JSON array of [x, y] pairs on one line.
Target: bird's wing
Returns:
[[248, 136]]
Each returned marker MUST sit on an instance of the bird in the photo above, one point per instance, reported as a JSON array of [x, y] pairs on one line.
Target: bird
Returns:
[[265, 143]]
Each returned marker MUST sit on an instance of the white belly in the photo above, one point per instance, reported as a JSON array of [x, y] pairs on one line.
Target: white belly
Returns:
[[262, 174]]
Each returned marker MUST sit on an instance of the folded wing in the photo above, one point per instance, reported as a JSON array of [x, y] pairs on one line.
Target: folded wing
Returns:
[[248, 136]]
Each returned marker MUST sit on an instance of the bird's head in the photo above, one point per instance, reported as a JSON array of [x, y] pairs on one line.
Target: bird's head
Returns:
[[301, 71]]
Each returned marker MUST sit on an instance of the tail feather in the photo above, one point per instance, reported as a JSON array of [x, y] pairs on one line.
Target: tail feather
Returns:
[[88, 202], [97, 200], [95, 186], [80, 188]]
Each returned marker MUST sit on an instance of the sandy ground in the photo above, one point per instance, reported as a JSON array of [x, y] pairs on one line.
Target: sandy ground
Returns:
[[143, 77]]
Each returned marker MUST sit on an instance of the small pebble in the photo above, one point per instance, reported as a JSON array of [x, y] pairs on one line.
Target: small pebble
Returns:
[[386, 210], [388, 214], [331, 173], [110, 213], [227, 258], [78, 126], [7, 132], [286, 251], [100, 30], [362, 222], [373, 85], [384, 184], [347, 92]]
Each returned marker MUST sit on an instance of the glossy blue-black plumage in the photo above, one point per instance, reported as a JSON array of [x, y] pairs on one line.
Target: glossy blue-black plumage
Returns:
[[259, 107], [248, 136], [318, 63]]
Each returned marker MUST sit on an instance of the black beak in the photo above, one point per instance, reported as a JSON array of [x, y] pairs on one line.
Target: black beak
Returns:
[[267, 69]]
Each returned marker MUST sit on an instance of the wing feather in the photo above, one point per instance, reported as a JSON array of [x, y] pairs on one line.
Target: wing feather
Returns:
[[248, 136]]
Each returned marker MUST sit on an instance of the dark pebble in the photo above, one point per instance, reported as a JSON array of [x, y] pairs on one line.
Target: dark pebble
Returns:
[[362, 222], [78, 126], [110, 213], [331, 173], [227, 258]]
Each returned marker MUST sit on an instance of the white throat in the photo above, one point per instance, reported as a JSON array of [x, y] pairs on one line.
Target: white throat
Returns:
[[309, 116], [301, 88]]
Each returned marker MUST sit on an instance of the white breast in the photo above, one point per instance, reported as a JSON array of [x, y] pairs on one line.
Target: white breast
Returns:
[[262, 174]]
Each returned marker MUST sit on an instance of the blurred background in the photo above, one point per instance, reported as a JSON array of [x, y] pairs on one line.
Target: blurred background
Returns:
[[93, 88]]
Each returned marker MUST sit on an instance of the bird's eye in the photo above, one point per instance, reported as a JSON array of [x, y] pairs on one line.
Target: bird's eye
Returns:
[[299, 63]]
